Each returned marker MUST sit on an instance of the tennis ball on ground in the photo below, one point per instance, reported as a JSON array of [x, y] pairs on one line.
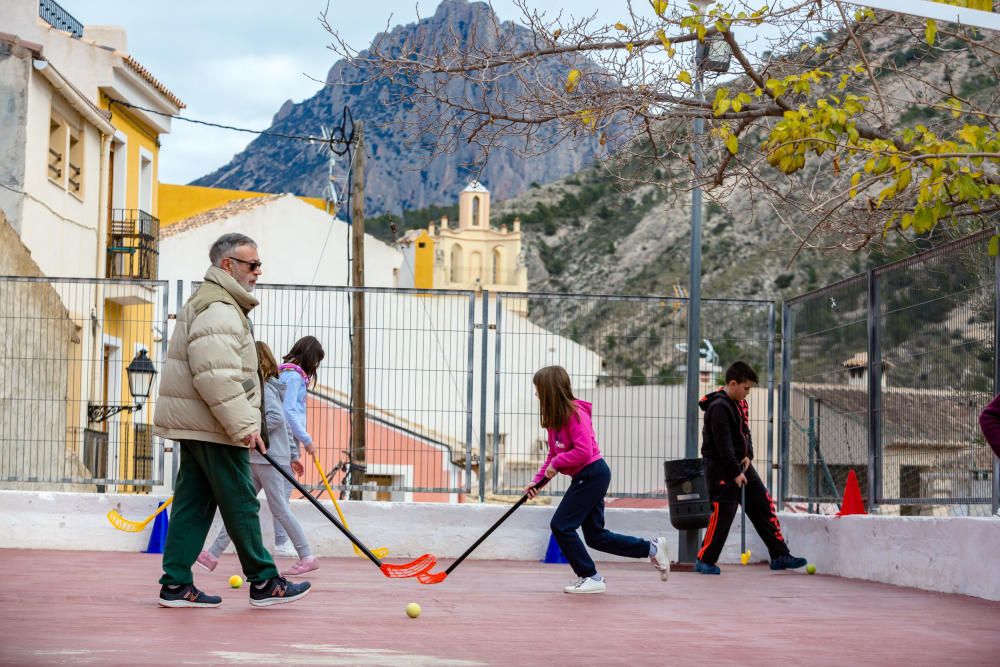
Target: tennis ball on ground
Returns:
[[236, 581], [413, 610], [810, 568]]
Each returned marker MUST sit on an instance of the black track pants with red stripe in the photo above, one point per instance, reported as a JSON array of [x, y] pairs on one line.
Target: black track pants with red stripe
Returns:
[[760, 510]]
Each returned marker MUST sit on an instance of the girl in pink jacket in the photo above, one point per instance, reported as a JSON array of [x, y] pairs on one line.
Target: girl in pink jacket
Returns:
[[573, 451]]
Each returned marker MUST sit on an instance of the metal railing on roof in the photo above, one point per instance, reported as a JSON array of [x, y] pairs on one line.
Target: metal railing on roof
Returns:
[[53, 13]]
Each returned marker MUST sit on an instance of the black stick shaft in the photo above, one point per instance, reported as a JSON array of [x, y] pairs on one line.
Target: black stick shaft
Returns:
[[743, 523], [358, 543], [496, 525]]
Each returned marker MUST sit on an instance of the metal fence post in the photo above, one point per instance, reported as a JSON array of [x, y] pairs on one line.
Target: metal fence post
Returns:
[[468, 393], [482, 398], [176, 447], [811, 480], [496, 397], [995, 491], [165, 318], [769, 453], [784, 411], [874, 395]]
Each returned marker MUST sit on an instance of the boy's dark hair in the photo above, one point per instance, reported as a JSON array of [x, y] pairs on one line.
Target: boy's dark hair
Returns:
[[741, 372]]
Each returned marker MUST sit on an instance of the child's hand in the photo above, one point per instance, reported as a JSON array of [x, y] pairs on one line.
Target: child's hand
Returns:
[[741, 480], [310, 449], [298, 468], [531, 490], [551, 472]]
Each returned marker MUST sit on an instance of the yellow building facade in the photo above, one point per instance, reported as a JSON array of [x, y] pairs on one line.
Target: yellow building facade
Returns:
[[131, 311]]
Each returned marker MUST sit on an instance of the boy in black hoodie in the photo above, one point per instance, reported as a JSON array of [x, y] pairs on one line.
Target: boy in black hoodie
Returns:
[[728, 451]]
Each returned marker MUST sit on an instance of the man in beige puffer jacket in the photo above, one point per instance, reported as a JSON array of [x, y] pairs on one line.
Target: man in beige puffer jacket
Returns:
[[210, 401]]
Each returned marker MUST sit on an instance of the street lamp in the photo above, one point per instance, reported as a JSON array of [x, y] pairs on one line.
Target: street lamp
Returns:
[[141, 374], [711, 56]]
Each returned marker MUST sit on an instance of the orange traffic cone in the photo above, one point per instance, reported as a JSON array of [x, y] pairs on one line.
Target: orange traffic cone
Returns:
[[853, 503]]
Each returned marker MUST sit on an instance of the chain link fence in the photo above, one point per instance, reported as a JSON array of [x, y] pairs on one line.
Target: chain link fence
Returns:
[[418, 396], [886, 373], [627, 356], [69, 419]]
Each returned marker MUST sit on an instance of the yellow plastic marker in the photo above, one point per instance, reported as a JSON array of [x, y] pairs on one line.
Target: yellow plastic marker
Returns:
[[380, 552]]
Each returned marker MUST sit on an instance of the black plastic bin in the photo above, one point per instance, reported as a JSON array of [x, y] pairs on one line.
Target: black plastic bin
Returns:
[[687, 491]]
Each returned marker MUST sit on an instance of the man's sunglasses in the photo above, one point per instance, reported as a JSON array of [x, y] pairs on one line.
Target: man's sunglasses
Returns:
[[254, 265]]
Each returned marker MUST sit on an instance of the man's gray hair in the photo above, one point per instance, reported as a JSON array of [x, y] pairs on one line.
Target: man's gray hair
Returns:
[[225, 244]]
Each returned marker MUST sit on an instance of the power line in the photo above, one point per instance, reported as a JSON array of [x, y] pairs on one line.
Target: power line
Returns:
[[332, 141]]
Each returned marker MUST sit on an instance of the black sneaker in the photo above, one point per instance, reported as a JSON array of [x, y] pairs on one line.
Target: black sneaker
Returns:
[[186, 596], [277, 590], [787, 562]]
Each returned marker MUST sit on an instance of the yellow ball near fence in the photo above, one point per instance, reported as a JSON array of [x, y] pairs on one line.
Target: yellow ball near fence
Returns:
[[413, 610], [236, 581]]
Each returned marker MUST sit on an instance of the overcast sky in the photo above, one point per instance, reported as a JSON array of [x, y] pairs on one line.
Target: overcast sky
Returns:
[[236, 63]]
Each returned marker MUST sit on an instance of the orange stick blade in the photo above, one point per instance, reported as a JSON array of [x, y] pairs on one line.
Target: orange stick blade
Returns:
[[411, 569]]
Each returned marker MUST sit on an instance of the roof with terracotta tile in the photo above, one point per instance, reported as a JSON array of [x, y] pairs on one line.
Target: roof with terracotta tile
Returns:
[[227, 210], [137, 67]]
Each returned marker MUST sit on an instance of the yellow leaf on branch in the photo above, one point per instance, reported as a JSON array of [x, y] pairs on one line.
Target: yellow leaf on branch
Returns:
[[732, 143], [572, 80], [684, 77], [667, 47], [621, 26], [659, 6]]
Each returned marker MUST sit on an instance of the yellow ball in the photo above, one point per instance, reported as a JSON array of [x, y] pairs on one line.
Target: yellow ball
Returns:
[[236, 581], [810, 568], [413, 610]]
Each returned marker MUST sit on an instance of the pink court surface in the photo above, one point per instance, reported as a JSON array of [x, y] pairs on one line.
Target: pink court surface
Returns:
[[64, 607]]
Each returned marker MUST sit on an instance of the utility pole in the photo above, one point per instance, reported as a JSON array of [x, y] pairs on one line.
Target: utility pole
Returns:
[[688, 547], [357, 456]]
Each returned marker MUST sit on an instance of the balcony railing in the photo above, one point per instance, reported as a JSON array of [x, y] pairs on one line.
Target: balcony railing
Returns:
[[133, 244], [57, 17]]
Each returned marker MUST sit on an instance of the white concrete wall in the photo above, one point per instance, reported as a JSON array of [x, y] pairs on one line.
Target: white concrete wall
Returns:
[[949, 555], [76, 521]]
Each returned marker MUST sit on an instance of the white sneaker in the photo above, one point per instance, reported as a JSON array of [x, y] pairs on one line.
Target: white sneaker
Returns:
[[586, 585], [661, 560], [285, 549]]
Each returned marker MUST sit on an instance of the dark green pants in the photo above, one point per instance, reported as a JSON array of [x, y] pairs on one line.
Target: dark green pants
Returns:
[[214, 476]]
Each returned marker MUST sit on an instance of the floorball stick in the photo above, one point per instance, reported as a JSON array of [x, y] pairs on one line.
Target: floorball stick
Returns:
[[381, 552], [121, 523], [391, 570], [744, 552], [438, 577]]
